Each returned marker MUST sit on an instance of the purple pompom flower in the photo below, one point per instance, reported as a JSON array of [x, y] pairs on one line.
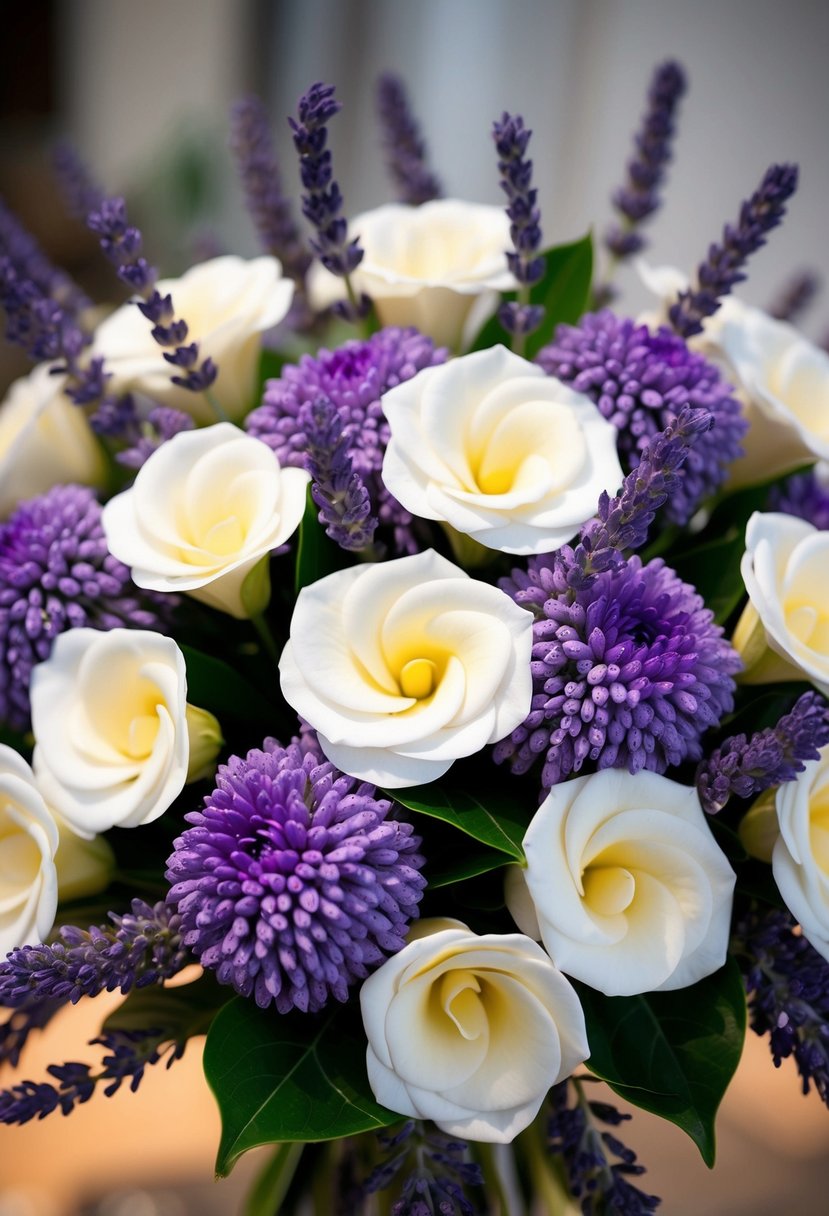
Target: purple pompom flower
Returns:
[[805, 495], [56, 573], [294, 881], [640, 381], [353, 378], [628, 674]]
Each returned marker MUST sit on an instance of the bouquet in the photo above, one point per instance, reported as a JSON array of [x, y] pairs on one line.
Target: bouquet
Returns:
[[429, 657]]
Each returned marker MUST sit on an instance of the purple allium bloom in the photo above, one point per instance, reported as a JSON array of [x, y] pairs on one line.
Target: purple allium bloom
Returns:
[[140, 947], [805, 495], [600, 1183], [629, 674], [336, 487], [56, 573], [745, 767], [640, 381], [353, 378], [795, 297], [403, 145], [511, 137], [270, 209], [723, 267], [639, 196], [294, 881], [787, 982]]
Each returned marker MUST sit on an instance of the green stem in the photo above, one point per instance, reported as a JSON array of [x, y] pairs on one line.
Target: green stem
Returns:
[[519, 341], [549, 1188], [265, 636], [271, 1185], [502, 1202], [215, 406]]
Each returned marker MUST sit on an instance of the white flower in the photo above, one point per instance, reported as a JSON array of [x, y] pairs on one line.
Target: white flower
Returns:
[[781, 379], [500, 451], [783, 633], [228, 303], [470, 1031], [800, 860], [28, 844], [206, 507], [439, 267], [110, 720], [630, 890], [45, 440], [404, 666]]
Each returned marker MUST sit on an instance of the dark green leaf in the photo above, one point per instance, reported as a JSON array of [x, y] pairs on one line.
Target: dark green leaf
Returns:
[[215, 685], [458, 869], [497, 824], [316, 554], [671, 1053], [293, 1078], [714, 570]]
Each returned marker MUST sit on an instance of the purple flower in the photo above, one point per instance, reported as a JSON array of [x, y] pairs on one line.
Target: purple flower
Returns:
[[511, 137], [403, 145], [294, 881], [640, 381], [353, 378], [745, 767], [56, 573], [805, 495], [795, 296], [723, 267], [163, 422], [337, 488], [628, 674]]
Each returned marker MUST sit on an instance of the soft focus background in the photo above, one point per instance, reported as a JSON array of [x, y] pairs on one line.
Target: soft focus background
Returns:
[[142, 90]]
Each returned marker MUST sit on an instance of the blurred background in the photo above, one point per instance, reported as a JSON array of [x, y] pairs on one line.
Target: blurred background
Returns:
[[142, 90]]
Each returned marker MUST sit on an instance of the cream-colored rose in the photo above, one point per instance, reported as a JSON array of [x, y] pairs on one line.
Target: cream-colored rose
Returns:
[[780, 377], [228, 303], [28, 844], [404, 666], [783, 633], [500, 451], [470, 1031], [439, 267], [110, 720], [45, 440], [203, 511], [630, 890], [800, 860]]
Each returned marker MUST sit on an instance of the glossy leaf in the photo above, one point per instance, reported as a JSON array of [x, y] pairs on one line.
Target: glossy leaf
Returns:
[[215, 685], [714, 570], [671, 1053], [496, 823], [280, 1079]]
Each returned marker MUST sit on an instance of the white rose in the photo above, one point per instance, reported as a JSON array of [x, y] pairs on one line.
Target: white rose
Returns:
[[800, 860], [783, 633], [110, 720], [205, 508], [228, 303], [630, 890], [470, 1031], [45, 440], [439, 267], [780, 377], [28, 844], [404, 666], [500, 451]]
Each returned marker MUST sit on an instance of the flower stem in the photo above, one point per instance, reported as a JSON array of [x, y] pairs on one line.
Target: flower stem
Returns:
[[265, 636], [549, 1188], [212, 401]]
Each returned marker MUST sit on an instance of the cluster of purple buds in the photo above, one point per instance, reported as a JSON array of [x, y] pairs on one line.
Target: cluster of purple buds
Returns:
[[404, 147], [337, 488], [511, 137]]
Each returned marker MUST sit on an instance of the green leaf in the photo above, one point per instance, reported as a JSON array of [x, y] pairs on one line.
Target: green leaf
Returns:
[[564, 291], [671, 1053], [281, 1079], [215, 685], [714, 570], [495, 824], [316, 554], [459, 869]]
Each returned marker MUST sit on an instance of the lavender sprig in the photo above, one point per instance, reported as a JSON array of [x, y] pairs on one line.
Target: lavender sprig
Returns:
[[322, 202], [163, 422], [724, 265], [141, 947], [337, 488], [403, 144], [593, 1177], [269, 207], [15, 1031], [130, 1052], [31, 263], [795, 297], [81, 192], [511, 137], [435, 1169], [639, 196], [787, 982], [745, 767]]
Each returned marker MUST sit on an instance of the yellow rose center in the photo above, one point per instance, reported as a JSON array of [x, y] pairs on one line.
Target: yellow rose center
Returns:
[[418, 678], [608, 890], [536, 444]]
